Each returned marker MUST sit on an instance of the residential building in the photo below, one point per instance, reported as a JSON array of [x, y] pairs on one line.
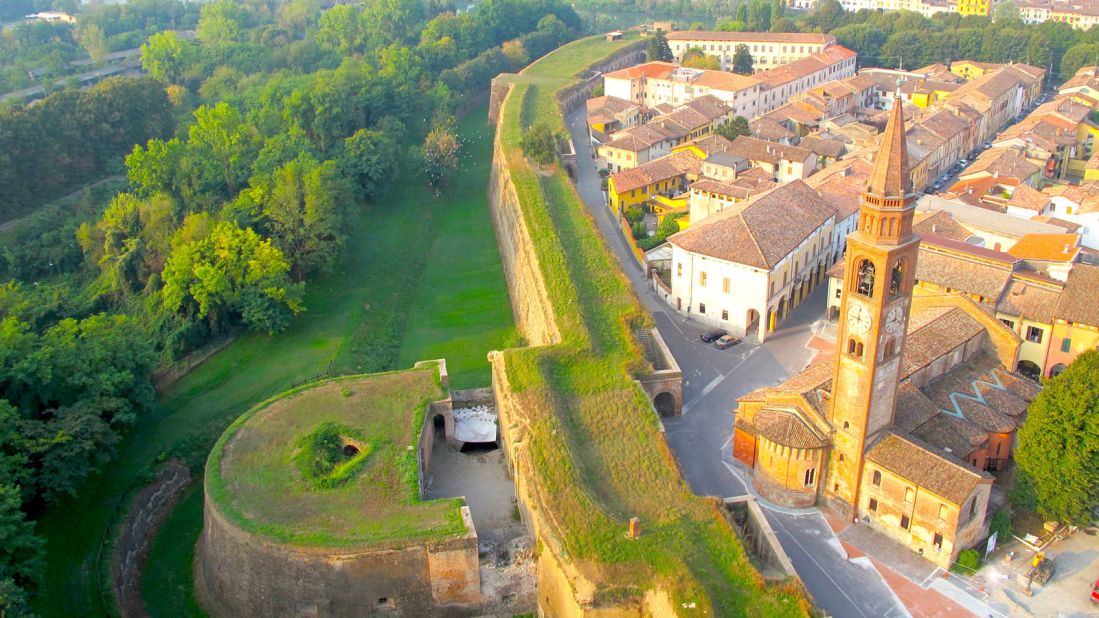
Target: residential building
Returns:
[[768, 49], [1075, 320], [609, 114], [841, 184], [1080, 14], [898, 429], [744, 269], [656, 83], [665, 176], [983, 227], [1078, 204], [641, 144], [709, 196], [1084, 84], [783, 162], [784, 82], [1001, 162], [1057, 135]]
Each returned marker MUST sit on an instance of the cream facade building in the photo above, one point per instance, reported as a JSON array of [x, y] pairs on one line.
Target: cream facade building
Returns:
[[745, 269], [768, 49]]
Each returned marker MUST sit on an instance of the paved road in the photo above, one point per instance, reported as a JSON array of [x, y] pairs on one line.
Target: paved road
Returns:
[[713, 379]]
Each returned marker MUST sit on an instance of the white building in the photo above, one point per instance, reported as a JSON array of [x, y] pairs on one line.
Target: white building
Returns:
[[655, 83], [745, 269], [768, 49], [783, 83]]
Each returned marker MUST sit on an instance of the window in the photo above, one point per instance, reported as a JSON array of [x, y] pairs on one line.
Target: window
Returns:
[[702, 278], [772, 293], [839, 293], [679, 269], [942, 511], [888, 350], [909, 494], [873, 505], [905, 522], [846, 425], [938, 541], [810, 477], [1008, 323], [702, 307], [1066, 344], [876, 479], [854, 348], [725, 315], [1034, 334], [386, 603], [865, 283], [896, 279], [841, 457], [725, 285]]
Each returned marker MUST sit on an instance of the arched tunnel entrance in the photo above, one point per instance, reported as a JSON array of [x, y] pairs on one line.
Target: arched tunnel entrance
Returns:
[[665, 404]]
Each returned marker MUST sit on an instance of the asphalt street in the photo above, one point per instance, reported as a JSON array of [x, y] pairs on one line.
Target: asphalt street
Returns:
[[712, 380]]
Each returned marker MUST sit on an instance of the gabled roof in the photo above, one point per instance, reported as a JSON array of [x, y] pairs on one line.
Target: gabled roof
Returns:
[[954, 270], [786, 429], [1079, 303], [916, 461], [654, 69], [822, 147], [752, 149], [664, 168], [764, 232], [1002, 162], [1033, 299]]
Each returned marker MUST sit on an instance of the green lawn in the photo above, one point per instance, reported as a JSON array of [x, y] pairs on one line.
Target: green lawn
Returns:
[[356, 322]]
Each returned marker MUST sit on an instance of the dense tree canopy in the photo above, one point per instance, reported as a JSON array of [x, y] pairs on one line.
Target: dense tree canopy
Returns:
[[1059, 445]]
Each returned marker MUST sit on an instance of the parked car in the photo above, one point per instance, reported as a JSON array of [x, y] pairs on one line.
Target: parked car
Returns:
[[938, 185], [986, 145], [726, 341], [711, 335]]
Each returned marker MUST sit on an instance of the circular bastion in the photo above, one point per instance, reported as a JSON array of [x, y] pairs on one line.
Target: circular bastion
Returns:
[[313, 507]]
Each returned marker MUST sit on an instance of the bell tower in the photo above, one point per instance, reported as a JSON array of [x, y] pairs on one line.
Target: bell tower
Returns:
[[879, 273]]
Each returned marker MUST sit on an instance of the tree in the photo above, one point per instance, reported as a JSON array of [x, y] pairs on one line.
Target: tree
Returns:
[[759, 16], [1005, 11], [440, 156], [731, 129], [539, 143], [231, 271], [21, 554], [742, 13], [742, 60], [778, 10], [1059, 444], [1079, 55], [732, 25], [92, 40], [695, 58], [369, 161], [659, 48], [219, 25], [222, 142], [864, 39], [166, 57], [304, 208]]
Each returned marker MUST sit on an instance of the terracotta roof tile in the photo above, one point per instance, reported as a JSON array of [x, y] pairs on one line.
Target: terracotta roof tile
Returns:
[[952, 435], [1047, 247], [889, 177], [958, 273], [764, 232], [752, 149], [786, 429], [934, 334], [913, 460], [939, 223], [823, 147], [1080, 301], [1033, 302], [664, 168]]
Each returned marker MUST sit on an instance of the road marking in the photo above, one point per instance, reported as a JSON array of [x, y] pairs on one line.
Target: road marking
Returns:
[[716, 381], [820, 566]]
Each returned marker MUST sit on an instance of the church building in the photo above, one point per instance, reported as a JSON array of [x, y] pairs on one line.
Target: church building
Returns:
[[902, 428]]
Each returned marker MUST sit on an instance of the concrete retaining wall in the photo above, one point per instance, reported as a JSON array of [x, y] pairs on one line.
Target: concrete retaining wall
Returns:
[[759, 538]]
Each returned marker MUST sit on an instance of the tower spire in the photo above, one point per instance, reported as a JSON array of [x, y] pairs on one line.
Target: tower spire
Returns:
[[889, 178]]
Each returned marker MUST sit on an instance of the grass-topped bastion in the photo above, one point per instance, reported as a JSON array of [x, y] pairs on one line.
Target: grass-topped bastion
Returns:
[[313, 506]]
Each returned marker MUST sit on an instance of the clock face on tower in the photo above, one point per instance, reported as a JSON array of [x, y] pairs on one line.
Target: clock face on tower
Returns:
[[894, 320], [858, 319]]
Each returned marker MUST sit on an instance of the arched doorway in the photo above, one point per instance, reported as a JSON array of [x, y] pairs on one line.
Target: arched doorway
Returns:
[[665, 404], [1029, 369], [1057, 369], [772, 320], [752, 322]]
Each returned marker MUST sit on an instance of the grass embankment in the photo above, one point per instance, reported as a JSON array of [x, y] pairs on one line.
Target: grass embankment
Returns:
[[249, 479], [368, 317], [594, 441]]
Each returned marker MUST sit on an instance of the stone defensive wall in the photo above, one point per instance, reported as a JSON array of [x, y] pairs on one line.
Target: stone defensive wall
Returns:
[[680, 554]]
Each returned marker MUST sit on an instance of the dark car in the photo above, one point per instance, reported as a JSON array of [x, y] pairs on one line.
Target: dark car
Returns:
[[711, 335], [726, 341]]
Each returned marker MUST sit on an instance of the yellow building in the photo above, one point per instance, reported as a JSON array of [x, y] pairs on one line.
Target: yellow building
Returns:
[[975, 7], [667, 176], [970, 69]]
